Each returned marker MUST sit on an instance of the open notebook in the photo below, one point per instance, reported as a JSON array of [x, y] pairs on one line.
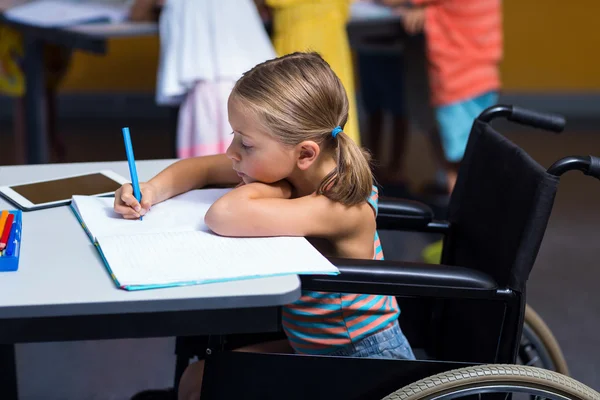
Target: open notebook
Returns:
[[172, 246]]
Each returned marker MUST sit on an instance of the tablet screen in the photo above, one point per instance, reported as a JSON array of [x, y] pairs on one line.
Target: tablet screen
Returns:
[[64, 189]]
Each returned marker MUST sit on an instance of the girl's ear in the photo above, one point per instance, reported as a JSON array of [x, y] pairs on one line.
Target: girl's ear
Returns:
[[307, 151]]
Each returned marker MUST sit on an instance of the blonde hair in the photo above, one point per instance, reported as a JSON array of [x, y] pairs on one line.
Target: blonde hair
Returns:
[[298, 97]]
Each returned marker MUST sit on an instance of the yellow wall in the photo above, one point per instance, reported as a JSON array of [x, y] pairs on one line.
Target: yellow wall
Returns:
[[129, 65], [550, 45]]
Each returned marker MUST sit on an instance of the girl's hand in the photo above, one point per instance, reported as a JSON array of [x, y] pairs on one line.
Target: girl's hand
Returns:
[[413, 19], [144, 10], [127, 205]]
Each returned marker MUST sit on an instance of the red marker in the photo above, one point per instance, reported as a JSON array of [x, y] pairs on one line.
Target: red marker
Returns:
[[6, 231]]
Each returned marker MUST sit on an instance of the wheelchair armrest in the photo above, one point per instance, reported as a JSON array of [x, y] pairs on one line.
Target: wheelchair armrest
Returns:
[[403, 214], [400, 278]]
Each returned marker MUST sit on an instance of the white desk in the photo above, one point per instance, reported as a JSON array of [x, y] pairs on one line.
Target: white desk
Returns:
[[61, 273], [62, 290]]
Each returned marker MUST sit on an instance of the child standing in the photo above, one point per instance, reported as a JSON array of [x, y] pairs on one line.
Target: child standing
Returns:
[[464, 49], [205, 46], [297, 174]]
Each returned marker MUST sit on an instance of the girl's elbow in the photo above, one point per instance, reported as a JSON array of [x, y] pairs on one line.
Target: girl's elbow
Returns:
[[218, 220]]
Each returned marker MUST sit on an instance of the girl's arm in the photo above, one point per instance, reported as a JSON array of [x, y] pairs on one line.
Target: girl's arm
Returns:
[[193, 173], [180, 177], [259, 209]]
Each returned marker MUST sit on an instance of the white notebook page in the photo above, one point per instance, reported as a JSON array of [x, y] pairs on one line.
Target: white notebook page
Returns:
[[181, 213], [202, 256]]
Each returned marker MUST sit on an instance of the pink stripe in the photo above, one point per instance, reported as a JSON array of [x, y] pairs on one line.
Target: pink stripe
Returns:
[[203, 149]]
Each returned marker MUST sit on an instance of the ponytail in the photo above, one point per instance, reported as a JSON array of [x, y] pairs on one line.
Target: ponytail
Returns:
[[351, 182]]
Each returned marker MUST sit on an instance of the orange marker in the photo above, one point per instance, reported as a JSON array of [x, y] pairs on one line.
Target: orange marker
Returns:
[[3, 218]]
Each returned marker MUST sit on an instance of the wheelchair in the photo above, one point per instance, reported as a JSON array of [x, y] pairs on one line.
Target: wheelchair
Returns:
[[464, 317]]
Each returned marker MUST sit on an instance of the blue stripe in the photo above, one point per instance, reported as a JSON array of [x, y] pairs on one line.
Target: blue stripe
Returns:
[[320, 295], [320, 306], [315, 324], [303, 337], [333, 315], [360, 297]]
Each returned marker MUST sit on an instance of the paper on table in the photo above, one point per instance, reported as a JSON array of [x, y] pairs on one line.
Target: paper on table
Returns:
[[57, 13], [202, 256], [181, 213]]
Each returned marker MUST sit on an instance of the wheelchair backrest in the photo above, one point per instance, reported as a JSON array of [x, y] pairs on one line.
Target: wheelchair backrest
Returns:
[[499, 209]]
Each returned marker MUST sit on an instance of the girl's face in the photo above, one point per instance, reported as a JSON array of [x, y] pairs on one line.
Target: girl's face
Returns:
[[256, 156]]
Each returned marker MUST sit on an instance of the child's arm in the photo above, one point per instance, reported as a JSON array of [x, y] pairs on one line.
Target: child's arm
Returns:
[[180, 177], [194, 173], [259, 209]]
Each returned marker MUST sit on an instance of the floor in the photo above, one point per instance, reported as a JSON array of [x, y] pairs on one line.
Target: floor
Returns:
[[562, 288]]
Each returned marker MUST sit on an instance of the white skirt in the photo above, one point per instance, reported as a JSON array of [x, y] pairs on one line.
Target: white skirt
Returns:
[[205, 47]]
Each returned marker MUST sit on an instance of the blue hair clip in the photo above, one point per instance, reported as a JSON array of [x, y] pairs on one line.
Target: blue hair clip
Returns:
[[336, 130]]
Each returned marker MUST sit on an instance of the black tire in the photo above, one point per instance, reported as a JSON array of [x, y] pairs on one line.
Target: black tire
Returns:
[[490, 378]]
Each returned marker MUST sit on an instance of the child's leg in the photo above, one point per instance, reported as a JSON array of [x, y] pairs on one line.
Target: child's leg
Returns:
[[393, 95], [382, 89], [190, 385], [369, 90], [398, 150], [454, 124]]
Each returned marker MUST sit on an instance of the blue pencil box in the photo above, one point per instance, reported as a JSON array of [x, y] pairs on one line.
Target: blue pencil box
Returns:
[[11, 262]]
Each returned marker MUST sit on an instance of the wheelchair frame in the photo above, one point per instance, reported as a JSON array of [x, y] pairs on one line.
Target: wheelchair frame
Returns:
[[467, 284]]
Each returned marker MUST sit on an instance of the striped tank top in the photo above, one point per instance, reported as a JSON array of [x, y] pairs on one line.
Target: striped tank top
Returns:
[[323, 322]]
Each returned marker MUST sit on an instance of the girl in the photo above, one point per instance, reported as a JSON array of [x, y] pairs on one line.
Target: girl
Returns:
[[298, 174]]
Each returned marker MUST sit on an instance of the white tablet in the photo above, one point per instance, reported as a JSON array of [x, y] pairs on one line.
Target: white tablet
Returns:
[[36, 195]]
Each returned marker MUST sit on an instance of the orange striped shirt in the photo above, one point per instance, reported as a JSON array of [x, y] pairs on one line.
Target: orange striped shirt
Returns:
[[322, 322], [464, 48]]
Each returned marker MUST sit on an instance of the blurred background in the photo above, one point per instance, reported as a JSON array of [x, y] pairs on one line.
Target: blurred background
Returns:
[[550, 62]]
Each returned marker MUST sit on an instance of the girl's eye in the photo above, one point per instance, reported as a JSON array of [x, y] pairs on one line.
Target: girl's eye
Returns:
[[242, 144]]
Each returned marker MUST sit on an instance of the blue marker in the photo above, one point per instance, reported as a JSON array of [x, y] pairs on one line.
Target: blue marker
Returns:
[[15, 236], [132, 170]]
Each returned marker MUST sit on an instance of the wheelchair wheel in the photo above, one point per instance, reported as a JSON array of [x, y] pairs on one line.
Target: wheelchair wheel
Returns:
[[538, 345], [487, 379]]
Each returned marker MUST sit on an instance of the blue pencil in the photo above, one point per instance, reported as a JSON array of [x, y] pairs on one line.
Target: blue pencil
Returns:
[[132, 170]]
